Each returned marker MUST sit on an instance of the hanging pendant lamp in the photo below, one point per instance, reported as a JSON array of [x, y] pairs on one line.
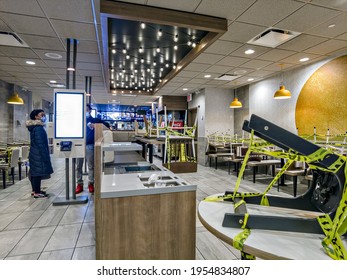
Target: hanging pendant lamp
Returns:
[[15, 99], [282, 93], [235, 103]]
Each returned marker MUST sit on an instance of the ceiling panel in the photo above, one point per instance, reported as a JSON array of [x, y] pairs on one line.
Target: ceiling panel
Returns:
[[258, 50], [218, 69], [269, 12], [22, 61], [208, 58], [242, 32], [41, 42], [27, 24], [38, 70], [199, 67], [12, 68], [25, 7], [338, 4], [276, 55], [66, 10], [327, 47], [18, 52], [223, 47], [7, 60], [256, 64], [229, 9], [331, 28], [88, 66], [302, 42], [232, 61], [180, 5], [70, 29], [4, 26], [87, 46], [188, 74], [306, 17], [342, 37]]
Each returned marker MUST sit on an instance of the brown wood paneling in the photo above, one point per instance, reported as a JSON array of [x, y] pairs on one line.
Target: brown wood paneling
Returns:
[[182, 167], [174, 102], [154, 227], [97, 183]]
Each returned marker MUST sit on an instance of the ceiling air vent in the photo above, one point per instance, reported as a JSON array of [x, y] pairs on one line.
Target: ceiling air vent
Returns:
[[227, 77], [273, 37], [11, 39]]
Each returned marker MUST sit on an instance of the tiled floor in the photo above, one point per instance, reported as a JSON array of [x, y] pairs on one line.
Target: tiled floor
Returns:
[[35, 229]]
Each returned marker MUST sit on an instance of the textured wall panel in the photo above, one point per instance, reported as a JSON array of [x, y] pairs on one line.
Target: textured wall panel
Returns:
[[322, 102]]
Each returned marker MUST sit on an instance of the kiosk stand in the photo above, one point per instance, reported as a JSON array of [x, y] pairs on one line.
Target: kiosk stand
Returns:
[[69, 136]]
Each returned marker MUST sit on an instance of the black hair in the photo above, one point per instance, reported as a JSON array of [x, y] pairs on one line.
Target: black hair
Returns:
[[89, 107], [34, 113]]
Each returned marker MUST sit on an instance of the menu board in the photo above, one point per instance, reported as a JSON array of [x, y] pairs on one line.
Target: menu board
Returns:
[[69, 115]]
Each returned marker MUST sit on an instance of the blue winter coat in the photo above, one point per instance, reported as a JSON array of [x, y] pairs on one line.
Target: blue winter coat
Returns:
[[39, 158]]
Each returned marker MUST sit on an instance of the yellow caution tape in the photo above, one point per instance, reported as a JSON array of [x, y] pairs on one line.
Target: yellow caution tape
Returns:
[[332, 229], [240, 239]]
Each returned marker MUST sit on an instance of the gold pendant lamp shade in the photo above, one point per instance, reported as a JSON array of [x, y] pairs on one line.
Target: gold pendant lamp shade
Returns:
[[282, 93], [15, 99], [235, 103]]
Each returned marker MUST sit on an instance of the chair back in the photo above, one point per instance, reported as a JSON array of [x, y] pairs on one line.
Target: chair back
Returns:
[[108, 138], [14, 157], [25, 153]]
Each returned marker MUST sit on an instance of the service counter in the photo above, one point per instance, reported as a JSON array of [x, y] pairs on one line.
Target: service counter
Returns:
[[139, 216]]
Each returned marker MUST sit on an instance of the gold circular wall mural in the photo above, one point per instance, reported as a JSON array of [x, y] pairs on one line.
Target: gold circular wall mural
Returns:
[[322, 102]]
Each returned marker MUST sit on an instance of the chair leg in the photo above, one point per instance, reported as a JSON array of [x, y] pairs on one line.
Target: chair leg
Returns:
[[295, 184], [12, 171], [19, 171], [4, 178]]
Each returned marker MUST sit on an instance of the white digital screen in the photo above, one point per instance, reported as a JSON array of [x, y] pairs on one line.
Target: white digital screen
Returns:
[[69, 115]]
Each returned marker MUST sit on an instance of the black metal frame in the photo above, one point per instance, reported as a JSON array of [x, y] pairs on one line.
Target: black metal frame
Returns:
[[324, 194]]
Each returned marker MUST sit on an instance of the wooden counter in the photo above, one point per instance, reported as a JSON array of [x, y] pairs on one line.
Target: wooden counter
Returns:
[[134, 222]]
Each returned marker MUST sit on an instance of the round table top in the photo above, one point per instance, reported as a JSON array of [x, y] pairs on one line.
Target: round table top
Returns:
[[265, 244]]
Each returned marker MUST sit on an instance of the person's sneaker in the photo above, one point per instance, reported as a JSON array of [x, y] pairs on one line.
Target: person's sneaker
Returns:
[[91, 188], [39, 195], [79, 188], [42, 192]]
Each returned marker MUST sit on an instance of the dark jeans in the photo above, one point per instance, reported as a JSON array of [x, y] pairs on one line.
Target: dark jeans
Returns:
[[36, 183]]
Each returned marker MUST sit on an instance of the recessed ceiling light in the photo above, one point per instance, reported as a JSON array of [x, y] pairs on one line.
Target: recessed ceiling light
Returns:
[[207, 76], [52, 82], [331, 25], [250, 79], [249, 51], [185, 89], [30, 62], [143, 25], [240, 72], [53, 55], [113, 50], [304, 59]]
